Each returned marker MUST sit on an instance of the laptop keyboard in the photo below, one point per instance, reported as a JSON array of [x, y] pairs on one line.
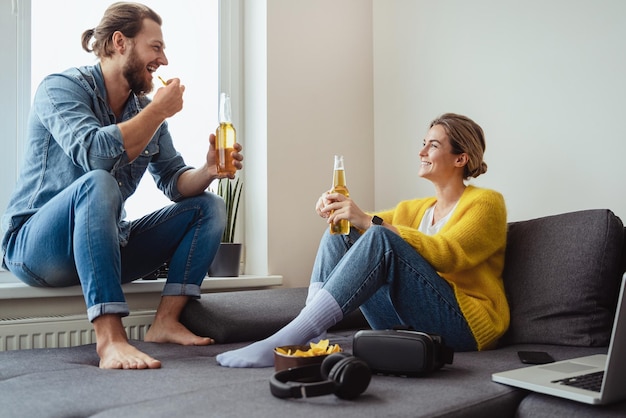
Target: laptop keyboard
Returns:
[[591, 381]]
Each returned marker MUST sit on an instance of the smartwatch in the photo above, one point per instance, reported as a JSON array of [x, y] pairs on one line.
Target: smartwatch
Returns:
[[376, 220]]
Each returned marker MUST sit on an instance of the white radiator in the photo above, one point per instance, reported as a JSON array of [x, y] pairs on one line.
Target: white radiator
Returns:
[[63, 331]]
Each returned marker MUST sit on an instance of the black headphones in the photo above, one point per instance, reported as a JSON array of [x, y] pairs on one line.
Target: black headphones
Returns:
[[341, 374]]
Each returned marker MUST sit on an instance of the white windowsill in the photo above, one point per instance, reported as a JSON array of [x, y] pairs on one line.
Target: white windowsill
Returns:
[[19, 290]]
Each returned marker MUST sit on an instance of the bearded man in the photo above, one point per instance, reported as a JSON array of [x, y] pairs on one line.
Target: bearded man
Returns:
[[92, 135]]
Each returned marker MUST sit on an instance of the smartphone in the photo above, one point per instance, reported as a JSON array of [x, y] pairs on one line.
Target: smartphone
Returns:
[[535, 357]]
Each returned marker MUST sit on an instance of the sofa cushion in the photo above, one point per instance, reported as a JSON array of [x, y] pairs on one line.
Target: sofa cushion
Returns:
[[66, 382], [251, 315], [562, 276], [247, 315]]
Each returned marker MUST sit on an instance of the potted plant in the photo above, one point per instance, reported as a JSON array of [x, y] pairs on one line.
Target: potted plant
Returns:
[[228, 257]]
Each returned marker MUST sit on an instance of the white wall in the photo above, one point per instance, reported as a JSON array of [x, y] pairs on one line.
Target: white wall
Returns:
[[545, 79], [319, 103]]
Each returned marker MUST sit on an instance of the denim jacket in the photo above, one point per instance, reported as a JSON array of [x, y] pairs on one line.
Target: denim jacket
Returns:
[[72, 130]]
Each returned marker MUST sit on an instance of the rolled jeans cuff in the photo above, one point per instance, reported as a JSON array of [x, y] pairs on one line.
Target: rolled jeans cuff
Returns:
[[179, 289], [117, 308]]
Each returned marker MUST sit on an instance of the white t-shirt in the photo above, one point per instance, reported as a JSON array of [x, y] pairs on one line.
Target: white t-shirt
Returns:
[[427, 227]]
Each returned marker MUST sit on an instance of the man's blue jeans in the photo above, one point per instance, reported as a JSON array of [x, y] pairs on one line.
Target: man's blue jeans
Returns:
[[74, 239], [392, 283]]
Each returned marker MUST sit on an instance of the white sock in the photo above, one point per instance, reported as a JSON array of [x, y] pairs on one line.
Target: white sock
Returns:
[[320, 314], [313, 289]]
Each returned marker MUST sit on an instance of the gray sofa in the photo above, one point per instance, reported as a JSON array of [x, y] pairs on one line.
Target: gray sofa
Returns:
[[562, 277]]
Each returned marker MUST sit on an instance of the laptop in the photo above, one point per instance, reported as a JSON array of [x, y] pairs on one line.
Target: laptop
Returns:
[[562, 378]]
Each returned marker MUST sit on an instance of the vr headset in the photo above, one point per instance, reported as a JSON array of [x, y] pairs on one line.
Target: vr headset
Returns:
[[401, 352]]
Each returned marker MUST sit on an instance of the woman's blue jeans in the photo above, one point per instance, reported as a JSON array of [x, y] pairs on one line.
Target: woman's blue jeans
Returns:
[[74, 239], [392, 284]]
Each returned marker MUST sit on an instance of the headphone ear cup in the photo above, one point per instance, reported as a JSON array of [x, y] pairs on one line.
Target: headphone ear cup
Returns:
[[329, 362], [352, 377]]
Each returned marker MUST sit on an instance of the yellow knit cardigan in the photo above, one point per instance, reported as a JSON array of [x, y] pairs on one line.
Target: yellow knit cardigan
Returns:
[[468, 253]]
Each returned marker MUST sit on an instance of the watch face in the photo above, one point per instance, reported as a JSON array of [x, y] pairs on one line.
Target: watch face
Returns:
[[377, 221]]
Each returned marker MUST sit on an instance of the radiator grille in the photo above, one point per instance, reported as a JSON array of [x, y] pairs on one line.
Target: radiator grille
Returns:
[[63, 331]]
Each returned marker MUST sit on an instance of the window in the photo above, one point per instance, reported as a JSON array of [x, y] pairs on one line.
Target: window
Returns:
[[191, 41]]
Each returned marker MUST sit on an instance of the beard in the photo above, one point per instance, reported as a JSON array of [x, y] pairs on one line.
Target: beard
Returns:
[[134, 72]]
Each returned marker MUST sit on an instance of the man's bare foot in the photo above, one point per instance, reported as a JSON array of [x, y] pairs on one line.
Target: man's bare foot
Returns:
[[114, 349], [122, 355], [166, 327], [172, 331]]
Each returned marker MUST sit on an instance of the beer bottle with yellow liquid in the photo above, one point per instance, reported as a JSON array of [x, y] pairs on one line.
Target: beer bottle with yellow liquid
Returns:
[[339, 186], [225, 138]]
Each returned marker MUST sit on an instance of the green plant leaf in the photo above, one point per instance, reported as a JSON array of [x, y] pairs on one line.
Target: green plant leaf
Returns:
[[230, 191]]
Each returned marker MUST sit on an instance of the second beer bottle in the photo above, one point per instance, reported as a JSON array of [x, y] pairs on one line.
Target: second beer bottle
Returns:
[[339, 186], [225, 138]]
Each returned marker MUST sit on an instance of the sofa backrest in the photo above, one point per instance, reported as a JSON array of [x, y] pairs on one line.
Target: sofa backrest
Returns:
[[562, 275]]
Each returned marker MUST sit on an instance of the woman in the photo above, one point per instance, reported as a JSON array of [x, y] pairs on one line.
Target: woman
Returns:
[[434, 264]]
